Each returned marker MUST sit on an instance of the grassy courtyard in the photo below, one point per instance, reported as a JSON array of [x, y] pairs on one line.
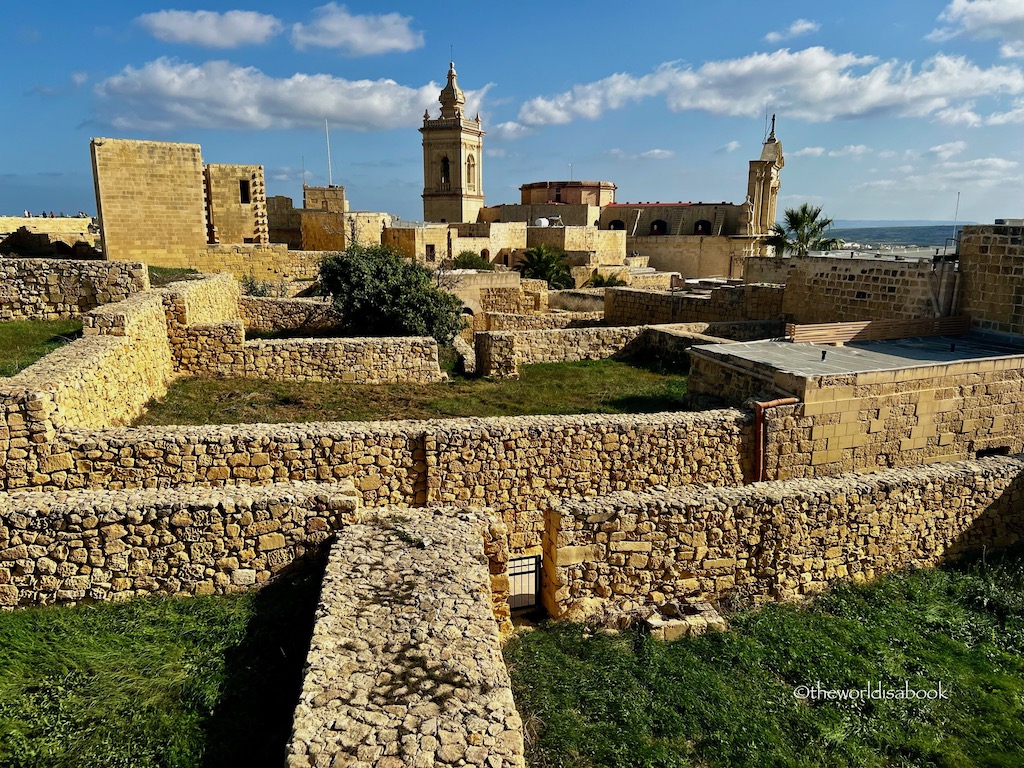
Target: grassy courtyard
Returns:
[[594, 386], [728, 699], [23, 342], [209, 681]]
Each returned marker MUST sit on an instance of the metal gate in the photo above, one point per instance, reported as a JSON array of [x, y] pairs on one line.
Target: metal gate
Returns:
[[524, 581]]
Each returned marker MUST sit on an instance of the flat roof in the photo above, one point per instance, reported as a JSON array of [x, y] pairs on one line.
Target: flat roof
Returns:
[[805, 359]]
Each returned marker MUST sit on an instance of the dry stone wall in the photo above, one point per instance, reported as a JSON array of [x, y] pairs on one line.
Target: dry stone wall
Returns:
[[51, 289], [500, 353], [75, 546], [771, 541], [514, 465], [405, 664], [629, 306], [502, 321], [273, 314]]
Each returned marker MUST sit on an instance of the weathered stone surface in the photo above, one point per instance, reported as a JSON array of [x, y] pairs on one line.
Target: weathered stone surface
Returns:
[[405, 665]]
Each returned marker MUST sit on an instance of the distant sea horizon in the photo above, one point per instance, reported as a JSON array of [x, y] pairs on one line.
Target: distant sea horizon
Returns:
[[931, 236]]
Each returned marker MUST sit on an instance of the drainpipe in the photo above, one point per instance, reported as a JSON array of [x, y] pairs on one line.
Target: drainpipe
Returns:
[[759, 431]]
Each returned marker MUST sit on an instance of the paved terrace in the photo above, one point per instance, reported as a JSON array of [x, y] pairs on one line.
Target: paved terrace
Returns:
[[805, 360]]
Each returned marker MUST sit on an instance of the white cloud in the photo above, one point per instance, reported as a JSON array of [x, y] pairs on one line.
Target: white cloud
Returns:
[[211, 29], [1012, 50], [495, 152], [731, 146], [809, 152], [1015, 115], [886, 154], [983, 20], [948, 150], [357, 35], [969, 176], [797, 28], [79, 78], [814, 84], [657, 154], [510, 130], [166, 94], [962, 114], [850, 150]]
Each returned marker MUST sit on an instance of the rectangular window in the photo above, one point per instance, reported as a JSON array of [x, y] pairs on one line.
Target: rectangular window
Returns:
[[244, 196], [431, 253]]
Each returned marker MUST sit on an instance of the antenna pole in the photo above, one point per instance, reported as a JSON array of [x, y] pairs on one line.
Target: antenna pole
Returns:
[[330, 171], [956, 214], [303, 171], [570, 171]]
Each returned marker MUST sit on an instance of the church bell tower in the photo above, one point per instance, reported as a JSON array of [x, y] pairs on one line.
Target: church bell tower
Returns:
[[452, 159], [763, 184]]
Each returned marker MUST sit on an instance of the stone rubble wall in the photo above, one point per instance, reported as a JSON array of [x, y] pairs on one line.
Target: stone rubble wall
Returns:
[[630, 306], [503, 321], [770, 541], [52, 289], [271, 314], [514, 465], [405, 664], [500, 353], [74, 546]]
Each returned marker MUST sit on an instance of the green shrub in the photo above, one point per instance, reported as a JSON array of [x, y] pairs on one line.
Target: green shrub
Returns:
[[378, 293], [544, 262], [472, 260]]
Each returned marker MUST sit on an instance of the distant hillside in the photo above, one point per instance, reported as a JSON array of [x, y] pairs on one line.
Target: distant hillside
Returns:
[[867, 223]]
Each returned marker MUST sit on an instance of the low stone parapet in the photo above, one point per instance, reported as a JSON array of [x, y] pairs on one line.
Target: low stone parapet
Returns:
[[51, 289], [267, 314], [70, 546], [405, 665]]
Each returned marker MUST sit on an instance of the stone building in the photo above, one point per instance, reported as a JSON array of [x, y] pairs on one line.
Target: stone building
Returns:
[[324, 222], [453, 156]]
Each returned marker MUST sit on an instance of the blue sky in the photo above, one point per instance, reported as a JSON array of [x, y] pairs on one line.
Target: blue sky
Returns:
[[886, 110]]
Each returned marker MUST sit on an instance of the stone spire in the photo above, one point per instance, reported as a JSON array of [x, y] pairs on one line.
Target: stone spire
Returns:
[[452, 98], [772, 149]]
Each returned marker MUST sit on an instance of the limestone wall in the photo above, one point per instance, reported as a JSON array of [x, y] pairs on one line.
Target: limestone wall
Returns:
[[51, 289], [505, 321], [150, 196], [273, 314], [692, 255], [269, 263], [75, 546], [237, 203], [992, 281], [629, 306], [773, 540], [500, 353], [511, 464], [836, 290], [60, 225], [405, 664], [766, 269], [898, 418]]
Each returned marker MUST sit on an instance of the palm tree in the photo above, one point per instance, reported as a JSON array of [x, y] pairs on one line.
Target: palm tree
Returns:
[[543, 262], [803, 231]]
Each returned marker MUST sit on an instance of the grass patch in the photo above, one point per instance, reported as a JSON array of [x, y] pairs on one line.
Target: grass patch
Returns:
[[160, 277], [205, 681], [592, 386], [728, 699], [25, 341]]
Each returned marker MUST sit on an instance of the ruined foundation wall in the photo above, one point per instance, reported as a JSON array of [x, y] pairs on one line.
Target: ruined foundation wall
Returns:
[[68, 547], [52, 289], [773, 540], [270, 314]]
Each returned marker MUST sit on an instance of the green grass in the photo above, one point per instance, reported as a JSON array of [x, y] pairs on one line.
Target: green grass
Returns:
[[163, 276], [25, 341], [181, 682], [728, 699], [596, 386]]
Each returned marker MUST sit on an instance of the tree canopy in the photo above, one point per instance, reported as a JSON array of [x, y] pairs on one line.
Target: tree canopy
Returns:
[[544, 262], [471, 260], [378, 293], [803, 230]]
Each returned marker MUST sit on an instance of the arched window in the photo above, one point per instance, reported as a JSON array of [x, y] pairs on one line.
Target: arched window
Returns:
[[470, 173], [617, 224], [702, 227], [485, 255], [659, 227], [446, 172]]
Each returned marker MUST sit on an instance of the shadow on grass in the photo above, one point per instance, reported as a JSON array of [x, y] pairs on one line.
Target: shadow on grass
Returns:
[[263, 675], [647, 403]]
